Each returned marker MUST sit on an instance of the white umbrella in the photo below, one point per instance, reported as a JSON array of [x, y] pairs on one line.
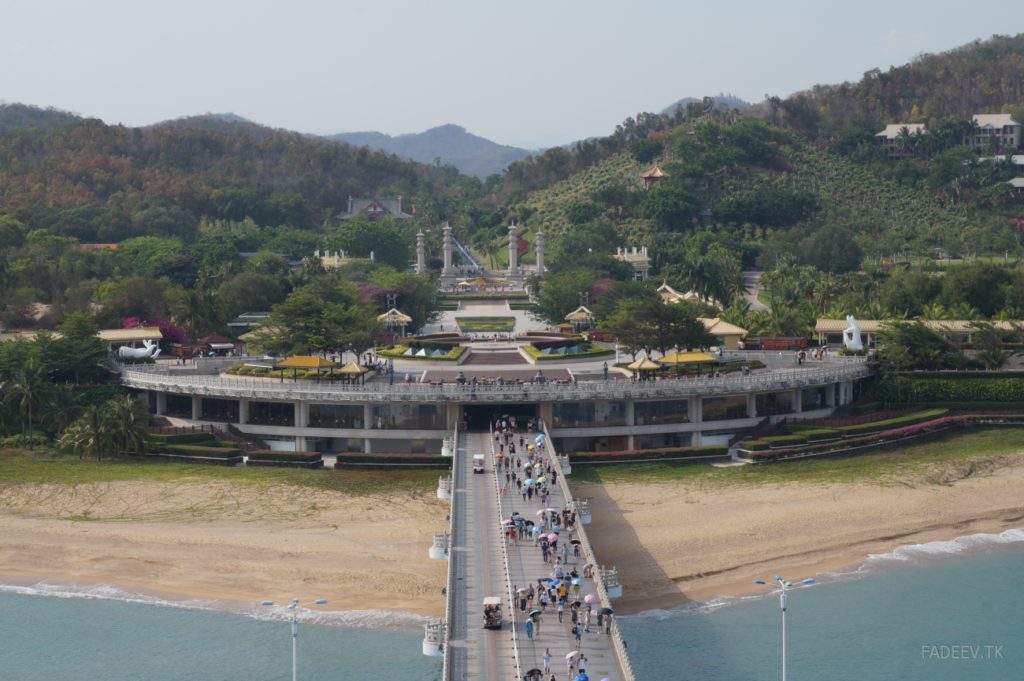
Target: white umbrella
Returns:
[[572, 654]]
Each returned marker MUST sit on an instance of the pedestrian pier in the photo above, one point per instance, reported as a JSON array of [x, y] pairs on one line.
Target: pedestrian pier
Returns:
[[483, 564]]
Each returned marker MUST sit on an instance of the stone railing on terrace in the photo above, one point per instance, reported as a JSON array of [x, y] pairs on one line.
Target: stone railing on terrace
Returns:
[[216, 386]]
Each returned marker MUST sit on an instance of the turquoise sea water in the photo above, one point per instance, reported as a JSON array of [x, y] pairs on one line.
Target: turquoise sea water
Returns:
[[946, 611], [61, 633]]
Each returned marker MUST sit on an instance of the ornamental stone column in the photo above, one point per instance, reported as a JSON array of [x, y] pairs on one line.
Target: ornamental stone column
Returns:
[[513, 252], [447, 272], [421, 254], [539, 246]]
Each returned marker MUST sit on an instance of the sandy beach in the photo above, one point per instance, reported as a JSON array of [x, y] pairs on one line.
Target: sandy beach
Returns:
[[673, 544], [229, 541]]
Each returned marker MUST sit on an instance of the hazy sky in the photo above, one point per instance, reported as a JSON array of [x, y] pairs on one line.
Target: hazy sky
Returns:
[[524, 73]]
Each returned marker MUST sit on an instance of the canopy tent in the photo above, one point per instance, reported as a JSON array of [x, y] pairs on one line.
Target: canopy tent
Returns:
[[686, 358], [296, 362], [644, 364], [302, 362], [353, 370]]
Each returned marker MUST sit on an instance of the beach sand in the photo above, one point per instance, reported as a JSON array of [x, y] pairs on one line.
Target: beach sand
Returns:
[[673, 544], [230, 541]]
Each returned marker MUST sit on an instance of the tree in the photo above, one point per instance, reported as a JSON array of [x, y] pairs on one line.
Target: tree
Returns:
[[560, 294], [82, 345], [127, 422], [645, 150], [386, 240], [581, 213], [671, 209], [26, 390], [90, 433], [831, 249], [62, 408], [491, 249]]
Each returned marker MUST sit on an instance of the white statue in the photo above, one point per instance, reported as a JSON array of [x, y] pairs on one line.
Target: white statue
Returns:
[[150, 350], [851, 336]]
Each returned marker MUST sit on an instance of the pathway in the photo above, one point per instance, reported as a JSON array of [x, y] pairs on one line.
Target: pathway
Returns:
[[480, 562]]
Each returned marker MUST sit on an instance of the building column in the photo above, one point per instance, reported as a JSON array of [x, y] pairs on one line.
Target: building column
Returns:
[[798, 400], [300, 443], [161, 403], [697, 440], [301, 414], [752, 405], [367, 425], [197, 407], [544, 412], [243, 410], [696, 409], [630, 421], [830, 395]]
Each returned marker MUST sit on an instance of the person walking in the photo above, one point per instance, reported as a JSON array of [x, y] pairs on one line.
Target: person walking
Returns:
[[582, 664], [577, 632], [536, 624], [561, 607], [547, 661], [570, 662], [529, 629], [522, 601], [587, 620]]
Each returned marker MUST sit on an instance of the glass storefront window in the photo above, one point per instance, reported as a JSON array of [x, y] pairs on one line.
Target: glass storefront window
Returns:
[[410, 416], [813, 398], [179, 405], [224, 411], [724, 408], [663, 411], [588, 414], [770, 404], [271, 414], [335, 416]]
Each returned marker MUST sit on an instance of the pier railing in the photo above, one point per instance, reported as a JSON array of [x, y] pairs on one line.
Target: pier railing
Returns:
[[601, 576], [504, 554], [449, 603]]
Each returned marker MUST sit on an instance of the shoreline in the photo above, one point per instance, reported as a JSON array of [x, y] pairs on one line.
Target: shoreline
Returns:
[[739, 582]]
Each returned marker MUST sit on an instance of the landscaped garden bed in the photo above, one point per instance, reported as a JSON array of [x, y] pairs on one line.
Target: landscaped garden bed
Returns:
[[359, 461], [486, 324], [278, 459], [646, 455]]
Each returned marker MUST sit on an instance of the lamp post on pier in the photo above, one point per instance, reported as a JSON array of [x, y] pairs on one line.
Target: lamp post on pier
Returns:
[[782, 600], [294, 607]]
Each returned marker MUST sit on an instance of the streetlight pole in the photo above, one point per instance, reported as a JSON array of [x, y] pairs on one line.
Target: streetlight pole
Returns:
[[294, 607], [782, 601]]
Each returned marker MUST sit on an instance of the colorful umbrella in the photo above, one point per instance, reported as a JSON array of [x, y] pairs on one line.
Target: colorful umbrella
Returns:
[[590, 598], [577, 581]]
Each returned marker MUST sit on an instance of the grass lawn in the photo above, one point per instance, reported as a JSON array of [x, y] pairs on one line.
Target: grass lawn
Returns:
[[936, 462], [20, 467], [478, 324]]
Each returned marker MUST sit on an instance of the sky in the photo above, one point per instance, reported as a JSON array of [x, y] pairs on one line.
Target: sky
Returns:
[[526, 73]]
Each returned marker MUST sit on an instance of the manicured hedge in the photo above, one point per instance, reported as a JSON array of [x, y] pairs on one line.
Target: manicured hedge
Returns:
[[649, 454], [954, 375], [754, 445], [209, 452], [272, 455], [870, 406], [784, 440], [393, 458], [821, 434], [984, 387], [971, 406], [541, 357], [902, 422], [431, 345], [183, 439], [397, 353]]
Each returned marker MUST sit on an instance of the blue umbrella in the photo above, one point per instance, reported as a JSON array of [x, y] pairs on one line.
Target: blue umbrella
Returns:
[[530, 481], [540, 437], [577, 581]]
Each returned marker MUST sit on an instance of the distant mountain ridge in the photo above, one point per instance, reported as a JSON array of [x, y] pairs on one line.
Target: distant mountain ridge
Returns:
[[15, 115], [731, 101], [471, 154]]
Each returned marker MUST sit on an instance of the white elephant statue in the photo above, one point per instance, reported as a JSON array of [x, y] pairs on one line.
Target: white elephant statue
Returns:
[[150, 350], [851, 336]]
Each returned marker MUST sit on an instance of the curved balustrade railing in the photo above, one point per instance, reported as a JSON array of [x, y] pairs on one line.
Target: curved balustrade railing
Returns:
[[504, 554], [149, 378], [588, 553], [449, 601]]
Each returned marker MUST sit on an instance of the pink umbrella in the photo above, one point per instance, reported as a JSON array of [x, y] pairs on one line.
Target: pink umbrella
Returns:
[[590, 598], [552, 537], [506, 522]]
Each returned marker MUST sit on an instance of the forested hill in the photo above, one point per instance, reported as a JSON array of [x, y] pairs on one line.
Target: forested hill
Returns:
[[471, 154], [980, 77], [228, 124], [14, 115], [103, 183]]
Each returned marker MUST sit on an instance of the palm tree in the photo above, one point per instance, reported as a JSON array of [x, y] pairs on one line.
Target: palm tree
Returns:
[[189, 311], [491, 249], [931, 313], [995, 358], [127, 425], [905, 140], [62, 408], [26, 389], [90, 433]]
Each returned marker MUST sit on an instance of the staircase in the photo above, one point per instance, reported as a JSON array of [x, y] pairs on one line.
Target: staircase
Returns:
[[479, 358]]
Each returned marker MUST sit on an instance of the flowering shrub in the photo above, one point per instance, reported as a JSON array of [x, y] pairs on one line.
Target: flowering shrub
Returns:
[[344, 458], [168, 329]]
